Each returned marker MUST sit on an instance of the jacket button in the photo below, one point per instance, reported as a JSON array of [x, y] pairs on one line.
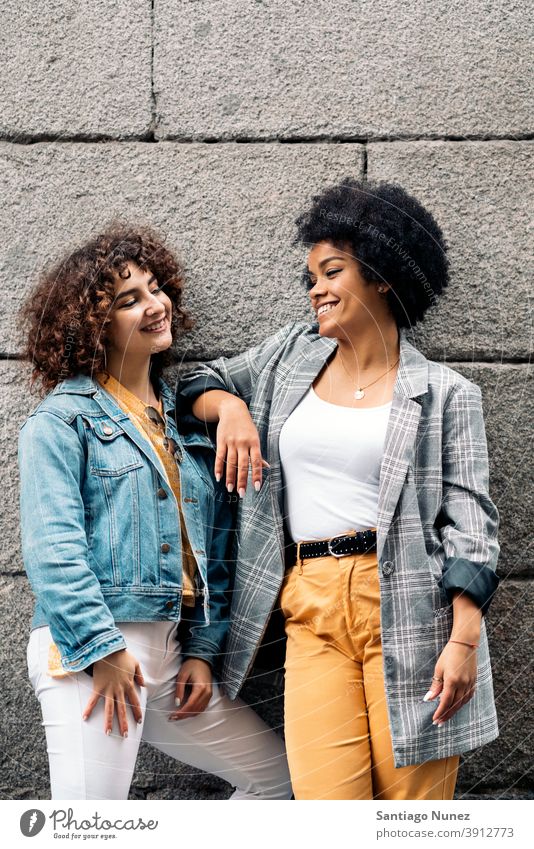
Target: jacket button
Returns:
[[169, 605], [388, 567], [161, 493], [389, 661], [165, 547], [107, 430]]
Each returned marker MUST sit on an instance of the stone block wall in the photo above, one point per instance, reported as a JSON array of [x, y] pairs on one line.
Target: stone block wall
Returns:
[[215, 122]]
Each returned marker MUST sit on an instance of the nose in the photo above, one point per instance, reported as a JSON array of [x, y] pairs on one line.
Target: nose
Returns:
[[317, 290], [155, 307]]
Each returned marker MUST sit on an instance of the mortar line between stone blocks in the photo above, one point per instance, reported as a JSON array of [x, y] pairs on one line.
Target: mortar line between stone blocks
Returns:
[[150, 138], [152, 92]]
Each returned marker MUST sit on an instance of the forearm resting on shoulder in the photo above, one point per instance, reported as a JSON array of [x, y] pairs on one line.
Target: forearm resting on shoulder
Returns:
[[209, 406]]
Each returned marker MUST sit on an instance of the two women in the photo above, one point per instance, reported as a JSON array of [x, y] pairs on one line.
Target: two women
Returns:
[[374, 525], [125, 536]]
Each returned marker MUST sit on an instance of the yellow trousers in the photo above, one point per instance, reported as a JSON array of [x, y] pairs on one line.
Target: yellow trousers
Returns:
[[337, 731]]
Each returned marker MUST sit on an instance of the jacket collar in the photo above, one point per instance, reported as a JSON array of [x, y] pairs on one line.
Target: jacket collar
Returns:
[[79, 384], [82, 384], [412, 375]]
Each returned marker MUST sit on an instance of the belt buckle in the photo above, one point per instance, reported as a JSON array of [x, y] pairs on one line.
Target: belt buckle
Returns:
[[329, 544]]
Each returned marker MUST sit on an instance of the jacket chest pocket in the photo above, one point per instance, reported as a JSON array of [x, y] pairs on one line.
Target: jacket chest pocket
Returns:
[[200, 473], [199, 452], [110, 452]]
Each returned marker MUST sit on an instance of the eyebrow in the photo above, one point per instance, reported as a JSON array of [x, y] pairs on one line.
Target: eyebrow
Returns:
[[328, 259], [132, 291]]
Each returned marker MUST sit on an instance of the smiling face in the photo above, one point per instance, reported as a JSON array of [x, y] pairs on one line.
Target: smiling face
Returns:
[[344, 302], [140, 316]]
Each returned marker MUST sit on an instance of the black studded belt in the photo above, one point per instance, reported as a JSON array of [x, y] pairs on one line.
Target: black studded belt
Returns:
[[357, 543]]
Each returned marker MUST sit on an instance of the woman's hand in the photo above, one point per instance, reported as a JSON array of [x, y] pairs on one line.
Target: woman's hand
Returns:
[[457, 667], [193, 688], [114, 679], [238, 444]]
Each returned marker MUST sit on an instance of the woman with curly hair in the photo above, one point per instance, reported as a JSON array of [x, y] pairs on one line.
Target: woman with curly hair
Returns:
[[125, 535], [374, 527]]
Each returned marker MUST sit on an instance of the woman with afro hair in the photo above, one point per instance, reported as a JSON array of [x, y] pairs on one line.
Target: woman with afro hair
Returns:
[[125, 535], [373, 528]]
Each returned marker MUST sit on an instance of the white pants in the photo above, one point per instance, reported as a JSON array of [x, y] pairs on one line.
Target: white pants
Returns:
[[228, 739]]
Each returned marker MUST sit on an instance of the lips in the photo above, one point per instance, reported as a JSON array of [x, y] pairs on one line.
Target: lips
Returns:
[[156, 327], [326, 308]]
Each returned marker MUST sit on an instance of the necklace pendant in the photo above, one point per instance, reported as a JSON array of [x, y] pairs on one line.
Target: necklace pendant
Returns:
[[359, 394]]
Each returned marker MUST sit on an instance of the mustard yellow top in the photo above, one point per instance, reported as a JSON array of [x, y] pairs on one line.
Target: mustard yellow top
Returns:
[[135, 409]]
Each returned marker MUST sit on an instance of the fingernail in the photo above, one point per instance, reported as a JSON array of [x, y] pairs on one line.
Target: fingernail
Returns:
[[177, 702], [257, 486], [217, 478], [428, 696], [125, 734], [241, 493], [230, 487], [139, 721], [108, 732], [84, 717]]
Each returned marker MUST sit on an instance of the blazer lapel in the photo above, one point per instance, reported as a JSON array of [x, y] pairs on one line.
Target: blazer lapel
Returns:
[[399, 447]]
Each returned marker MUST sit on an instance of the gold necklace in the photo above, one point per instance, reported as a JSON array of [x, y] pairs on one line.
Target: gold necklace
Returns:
[[359, 392]]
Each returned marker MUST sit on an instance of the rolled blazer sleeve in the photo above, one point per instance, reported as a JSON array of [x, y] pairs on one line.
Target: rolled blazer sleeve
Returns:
[[469, 520]]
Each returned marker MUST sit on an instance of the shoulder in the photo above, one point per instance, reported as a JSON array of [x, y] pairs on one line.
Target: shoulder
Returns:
[[450, 383], [440, 388], [451, 398], [68, 400], [306, 332], [292, 340]]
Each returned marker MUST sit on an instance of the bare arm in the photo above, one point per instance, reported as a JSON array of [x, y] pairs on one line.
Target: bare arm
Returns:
[[238, 444], [219, 391]]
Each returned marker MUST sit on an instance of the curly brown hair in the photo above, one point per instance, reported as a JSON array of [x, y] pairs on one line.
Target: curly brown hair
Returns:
[[65, 317]]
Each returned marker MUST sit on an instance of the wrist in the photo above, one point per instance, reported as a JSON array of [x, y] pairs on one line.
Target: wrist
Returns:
[[108, 657], [191, 658], [472, 645], [228, 403], [468, 631]]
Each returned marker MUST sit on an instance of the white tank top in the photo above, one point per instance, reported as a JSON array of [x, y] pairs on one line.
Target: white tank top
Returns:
[[331, 458]]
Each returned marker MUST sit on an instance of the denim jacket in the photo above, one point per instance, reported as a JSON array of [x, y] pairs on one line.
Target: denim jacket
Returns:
[[100, 527]]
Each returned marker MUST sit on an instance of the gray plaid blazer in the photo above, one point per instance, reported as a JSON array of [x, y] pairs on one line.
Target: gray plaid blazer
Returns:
[[436, 526]]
